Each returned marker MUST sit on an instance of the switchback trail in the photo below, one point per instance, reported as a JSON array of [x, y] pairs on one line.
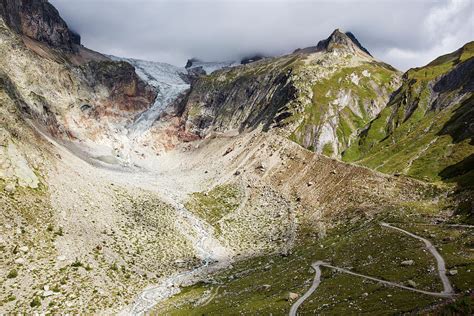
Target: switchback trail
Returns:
[[314, 286], [446, 293], [448, 289]]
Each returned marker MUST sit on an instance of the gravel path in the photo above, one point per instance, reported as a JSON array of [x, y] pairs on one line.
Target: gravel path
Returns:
[[314, 286], [446, 293], [448, 289]]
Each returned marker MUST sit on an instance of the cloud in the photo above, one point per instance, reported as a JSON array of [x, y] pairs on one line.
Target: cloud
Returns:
[[447, 26], [403, 33]]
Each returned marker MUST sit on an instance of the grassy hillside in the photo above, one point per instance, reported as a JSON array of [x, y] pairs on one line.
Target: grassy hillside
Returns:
[[426, 129], [262, 285], [343, 104]]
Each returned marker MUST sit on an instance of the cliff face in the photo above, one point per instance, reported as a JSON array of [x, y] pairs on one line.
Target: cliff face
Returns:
[[239, 98], [320, 97], [39, 20], [71, 91], [127, 91], [427, 128]]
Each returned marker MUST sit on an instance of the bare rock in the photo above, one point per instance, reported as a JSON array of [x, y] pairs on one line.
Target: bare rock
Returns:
[[407, 263], [48, 293], [412, 283], [10, 187], [292, 296], [20, 261], [228, 151]]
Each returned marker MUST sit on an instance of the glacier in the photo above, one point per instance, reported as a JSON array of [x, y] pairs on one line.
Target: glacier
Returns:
[[169, 82]]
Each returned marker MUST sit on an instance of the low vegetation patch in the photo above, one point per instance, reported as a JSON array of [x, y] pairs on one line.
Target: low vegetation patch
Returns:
[[212, 206]]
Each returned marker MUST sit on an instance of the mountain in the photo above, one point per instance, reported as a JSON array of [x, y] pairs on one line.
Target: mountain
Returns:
[[73, 92], [426, 130], [320, 97], [132, 187]]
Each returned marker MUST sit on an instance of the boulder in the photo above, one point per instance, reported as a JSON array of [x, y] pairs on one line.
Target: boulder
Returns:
[[10, 187], [407, 263], [20, 261], [292, 296], [412, 283]]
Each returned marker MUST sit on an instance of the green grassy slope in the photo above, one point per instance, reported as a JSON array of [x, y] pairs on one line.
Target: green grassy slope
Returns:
[[350, 104], [426, 128], [261, 285], [320, 99]]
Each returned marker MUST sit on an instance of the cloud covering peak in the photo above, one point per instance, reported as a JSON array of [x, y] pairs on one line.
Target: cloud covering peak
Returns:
[[405, 33]]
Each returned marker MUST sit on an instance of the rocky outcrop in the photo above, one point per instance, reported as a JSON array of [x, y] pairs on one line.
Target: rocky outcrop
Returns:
[[252, 59], [39, 20], [127, 91], [338, 41], [73, 93]]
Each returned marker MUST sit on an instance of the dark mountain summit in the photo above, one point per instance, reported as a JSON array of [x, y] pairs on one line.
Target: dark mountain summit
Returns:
[[39, 20], [340, 40]]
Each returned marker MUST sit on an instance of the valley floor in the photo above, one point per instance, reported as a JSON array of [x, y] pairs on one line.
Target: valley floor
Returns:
[[226, 225]]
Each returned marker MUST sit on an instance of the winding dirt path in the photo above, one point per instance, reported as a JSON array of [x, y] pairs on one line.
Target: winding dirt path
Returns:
[[213, 295], [448, 289], [446, 293], [314, 286]]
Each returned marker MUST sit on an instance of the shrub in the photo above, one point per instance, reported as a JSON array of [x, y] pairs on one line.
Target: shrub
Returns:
[[76, 264], [35, 302], [12, 274]]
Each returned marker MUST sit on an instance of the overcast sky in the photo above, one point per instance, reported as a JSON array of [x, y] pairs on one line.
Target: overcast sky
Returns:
[[404, 33]]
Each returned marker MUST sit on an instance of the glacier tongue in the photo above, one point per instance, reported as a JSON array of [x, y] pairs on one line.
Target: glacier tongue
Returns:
[[169, 83], [133, 144]]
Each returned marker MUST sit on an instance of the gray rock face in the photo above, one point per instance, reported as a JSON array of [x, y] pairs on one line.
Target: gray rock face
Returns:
[[127, 91], [39, 20], [240, 104]]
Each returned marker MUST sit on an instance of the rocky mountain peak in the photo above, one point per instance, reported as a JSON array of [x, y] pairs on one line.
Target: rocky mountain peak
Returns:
[[39, 20], [340, 40], [191, 62]]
